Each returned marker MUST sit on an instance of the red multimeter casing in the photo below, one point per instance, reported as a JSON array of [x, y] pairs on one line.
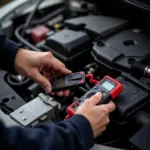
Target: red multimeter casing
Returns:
[[109, 87]]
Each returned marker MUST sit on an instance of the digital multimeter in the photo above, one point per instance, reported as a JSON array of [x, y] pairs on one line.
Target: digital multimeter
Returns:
[[109, 87], [68, 81]]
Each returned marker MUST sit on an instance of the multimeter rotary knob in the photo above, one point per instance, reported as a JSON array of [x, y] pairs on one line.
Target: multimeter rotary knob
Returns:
[[89, 95], [74, 78]]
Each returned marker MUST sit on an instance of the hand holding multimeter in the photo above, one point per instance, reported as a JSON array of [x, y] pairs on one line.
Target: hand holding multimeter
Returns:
[[109, 87], [68, 81]]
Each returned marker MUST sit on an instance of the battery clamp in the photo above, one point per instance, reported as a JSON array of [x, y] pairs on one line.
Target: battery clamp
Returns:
[[42, 108]]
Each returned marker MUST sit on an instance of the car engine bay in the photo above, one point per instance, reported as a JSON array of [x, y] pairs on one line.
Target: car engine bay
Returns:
[[99, 38]]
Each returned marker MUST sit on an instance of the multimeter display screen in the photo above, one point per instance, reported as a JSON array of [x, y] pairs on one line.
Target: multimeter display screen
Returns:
[[107, 85], [59, 81]]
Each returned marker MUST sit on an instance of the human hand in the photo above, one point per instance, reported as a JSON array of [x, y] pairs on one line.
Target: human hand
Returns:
[[31, 64], [97, 115]]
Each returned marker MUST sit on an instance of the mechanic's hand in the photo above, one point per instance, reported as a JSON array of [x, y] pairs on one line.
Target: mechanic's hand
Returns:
[[31, 64], [97, 115]]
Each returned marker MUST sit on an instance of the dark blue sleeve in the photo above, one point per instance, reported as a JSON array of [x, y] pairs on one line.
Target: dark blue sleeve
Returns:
[[73, 134], [8, 50]]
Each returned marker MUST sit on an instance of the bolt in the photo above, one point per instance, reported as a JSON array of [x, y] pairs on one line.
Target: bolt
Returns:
[[24, 118], [51, 98], [91, 70]]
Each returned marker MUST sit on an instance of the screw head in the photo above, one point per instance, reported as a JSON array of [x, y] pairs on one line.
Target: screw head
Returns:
[[24, 118]]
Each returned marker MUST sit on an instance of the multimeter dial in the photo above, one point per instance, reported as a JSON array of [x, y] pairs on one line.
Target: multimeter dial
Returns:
[[90, 94], [96, 89], [74, 78]]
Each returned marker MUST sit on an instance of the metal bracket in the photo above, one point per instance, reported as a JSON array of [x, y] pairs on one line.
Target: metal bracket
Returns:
[[40, 109]]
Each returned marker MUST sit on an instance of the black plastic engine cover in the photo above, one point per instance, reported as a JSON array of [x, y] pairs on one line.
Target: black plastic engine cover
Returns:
[[70, 47], [122, 50], [141, 138], [100, 26], [8, 97], [135, 95]]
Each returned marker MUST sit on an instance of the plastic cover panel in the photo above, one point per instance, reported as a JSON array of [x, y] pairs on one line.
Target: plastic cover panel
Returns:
[[130, 43], [69, 43], [98, 25]]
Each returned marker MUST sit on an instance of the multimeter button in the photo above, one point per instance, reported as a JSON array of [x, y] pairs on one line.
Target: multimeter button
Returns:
[[102, 90], [79, 101]]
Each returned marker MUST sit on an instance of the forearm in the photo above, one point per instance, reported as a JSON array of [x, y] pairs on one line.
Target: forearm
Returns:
[[74, 134], [8, 51]]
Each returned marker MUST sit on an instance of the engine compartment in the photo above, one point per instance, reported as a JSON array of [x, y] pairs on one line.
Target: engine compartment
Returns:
[[85, 37]]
